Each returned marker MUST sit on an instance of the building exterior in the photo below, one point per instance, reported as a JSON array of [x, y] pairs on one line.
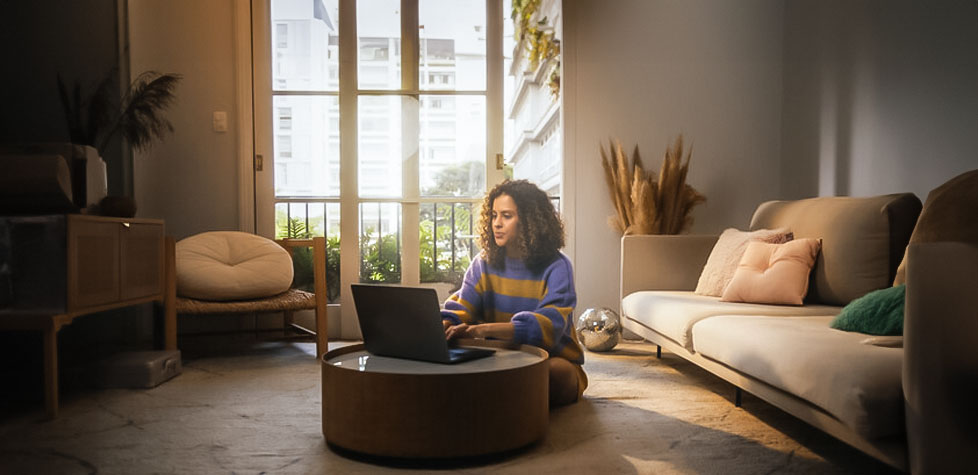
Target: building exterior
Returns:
[[533, 139]]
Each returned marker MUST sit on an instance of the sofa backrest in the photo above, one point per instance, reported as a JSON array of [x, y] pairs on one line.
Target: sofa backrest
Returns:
[[863, 239]]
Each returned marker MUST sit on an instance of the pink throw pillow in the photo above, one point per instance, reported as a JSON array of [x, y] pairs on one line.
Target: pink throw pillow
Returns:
[[773, 273], [726, 254]]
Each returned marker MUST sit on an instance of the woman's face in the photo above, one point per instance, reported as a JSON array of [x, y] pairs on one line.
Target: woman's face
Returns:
[[505, 221]]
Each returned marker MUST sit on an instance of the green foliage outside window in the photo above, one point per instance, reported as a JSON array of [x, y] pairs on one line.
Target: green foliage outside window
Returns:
[[445, 271], [303, 277], [380, 259], [380, 256]]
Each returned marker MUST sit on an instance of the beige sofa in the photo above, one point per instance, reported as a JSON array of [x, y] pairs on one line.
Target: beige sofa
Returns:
[[788, 355]]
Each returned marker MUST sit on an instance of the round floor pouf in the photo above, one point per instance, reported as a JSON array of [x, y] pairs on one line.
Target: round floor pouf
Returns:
[[231, 265], [399, 408]]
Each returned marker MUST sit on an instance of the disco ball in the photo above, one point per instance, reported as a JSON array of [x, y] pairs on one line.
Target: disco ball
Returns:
[[599, 329]]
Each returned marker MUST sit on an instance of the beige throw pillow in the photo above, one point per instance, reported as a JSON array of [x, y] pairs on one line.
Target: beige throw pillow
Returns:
[[773, 273], [726, 254]]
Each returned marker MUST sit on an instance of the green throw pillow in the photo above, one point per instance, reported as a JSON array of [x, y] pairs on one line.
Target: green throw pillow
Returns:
[[877, 313]]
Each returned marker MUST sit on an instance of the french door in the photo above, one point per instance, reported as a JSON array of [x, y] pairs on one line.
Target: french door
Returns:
[[378, 124]]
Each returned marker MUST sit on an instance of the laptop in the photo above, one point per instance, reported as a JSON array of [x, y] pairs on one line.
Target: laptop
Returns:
[[405, 322]]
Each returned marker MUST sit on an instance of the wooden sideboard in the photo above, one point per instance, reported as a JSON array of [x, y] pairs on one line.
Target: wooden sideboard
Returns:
[[87, 264]]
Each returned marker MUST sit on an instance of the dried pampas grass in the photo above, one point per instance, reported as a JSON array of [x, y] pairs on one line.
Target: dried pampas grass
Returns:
[[644, 204]]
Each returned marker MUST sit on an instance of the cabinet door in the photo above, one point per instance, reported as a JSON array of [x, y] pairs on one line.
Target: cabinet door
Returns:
[[142, 260], [93, 263]]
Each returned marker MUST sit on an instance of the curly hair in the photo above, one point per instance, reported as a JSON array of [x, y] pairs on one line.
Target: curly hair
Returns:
[[541, 232]]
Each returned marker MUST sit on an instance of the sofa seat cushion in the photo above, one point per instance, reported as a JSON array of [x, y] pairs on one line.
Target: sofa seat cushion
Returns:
[[674, 312], [858, 384]]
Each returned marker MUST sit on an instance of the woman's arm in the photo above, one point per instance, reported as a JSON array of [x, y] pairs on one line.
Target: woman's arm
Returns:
[[465, 306], [548, 324]]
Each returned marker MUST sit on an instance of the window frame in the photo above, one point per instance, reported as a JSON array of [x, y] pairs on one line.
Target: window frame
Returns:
[[348, 93]]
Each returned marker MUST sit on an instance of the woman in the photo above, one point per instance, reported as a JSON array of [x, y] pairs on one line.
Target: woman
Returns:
[[520, 287]]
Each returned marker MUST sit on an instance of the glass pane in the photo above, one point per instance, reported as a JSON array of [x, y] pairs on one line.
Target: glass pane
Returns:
[[452, 45], [452, 158], [332, 220], [448, 240], [380, 242], [298, 220], [305, 39], [315, 218], [307, 145], [332, 227], [281, 220], [383, 143], [379, 44], [305, 220], [333, 251]]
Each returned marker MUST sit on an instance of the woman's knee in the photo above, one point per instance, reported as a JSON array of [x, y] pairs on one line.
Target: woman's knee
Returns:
[[564, 384]]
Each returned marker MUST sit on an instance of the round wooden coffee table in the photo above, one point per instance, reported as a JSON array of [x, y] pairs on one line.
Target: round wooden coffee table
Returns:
[[412, 409]]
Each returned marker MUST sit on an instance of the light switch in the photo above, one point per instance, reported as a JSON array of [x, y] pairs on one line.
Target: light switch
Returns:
[[220, 121]]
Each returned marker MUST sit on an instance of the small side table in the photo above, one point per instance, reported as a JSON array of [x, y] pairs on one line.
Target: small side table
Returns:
[[392, 407]]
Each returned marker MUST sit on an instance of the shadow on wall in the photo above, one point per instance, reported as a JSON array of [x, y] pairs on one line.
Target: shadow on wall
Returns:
[[835, 92], [878, 96]]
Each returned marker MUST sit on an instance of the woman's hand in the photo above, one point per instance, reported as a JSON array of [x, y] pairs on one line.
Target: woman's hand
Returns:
[[502, 331], [462, 331]]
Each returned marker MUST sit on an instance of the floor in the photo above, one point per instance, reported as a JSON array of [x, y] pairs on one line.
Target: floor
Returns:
[[255, 408]]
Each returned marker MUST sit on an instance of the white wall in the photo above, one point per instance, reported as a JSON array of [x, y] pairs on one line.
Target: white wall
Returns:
[[644, 71], [881, 96], [191, 178]]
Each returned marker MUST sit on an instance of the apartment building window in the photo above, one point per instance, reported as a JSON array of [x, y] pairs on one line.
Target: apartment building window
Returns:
[[281, 35], [283, 146], [285, 118], [374, 49], [394, 153]]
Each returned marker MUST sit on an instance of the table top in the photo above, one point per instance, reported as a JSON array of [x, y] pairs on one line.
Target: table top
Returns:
[[503, 359]]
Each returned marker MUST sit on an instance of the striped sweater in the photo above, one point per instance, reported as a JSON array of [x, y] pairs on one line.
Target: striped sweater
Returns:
[[539, 304]]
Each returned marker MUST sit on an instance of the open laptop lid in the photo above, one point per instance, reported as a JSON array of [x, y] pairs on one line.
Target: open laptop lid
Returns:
[[403, 322]]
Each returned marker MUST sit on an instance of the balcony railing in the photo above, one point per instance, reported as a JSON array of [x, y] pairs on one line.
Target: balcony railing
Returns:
[[448, 238]]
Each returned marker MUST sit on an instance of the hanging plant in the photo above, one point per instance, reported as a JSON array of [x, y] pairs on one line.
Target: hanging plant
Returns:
[[538, 40]]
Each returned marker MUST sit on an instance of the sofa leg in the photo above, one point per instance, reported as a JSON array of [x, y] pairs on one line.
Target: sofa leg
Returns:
[[737, 397], [658, 352]]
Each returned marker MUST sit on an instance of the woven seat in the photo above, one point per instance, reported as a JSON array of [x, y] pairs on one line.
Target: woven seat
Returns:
[[292, 299], [286, 302]]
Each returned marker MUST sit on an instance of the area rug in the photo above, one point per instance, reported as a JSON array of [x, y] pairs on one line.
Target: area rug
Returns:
[[256, 409]]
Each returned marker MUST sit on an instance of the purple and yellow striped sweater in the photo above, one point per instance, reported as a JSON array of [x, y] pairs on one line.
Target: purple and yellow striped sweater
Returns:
[[539, 304]]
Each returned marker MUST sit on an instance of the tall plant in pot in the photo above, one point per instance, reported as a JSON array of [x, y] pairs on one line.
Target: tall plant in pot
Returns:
[[646, 203], [139, 116]]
